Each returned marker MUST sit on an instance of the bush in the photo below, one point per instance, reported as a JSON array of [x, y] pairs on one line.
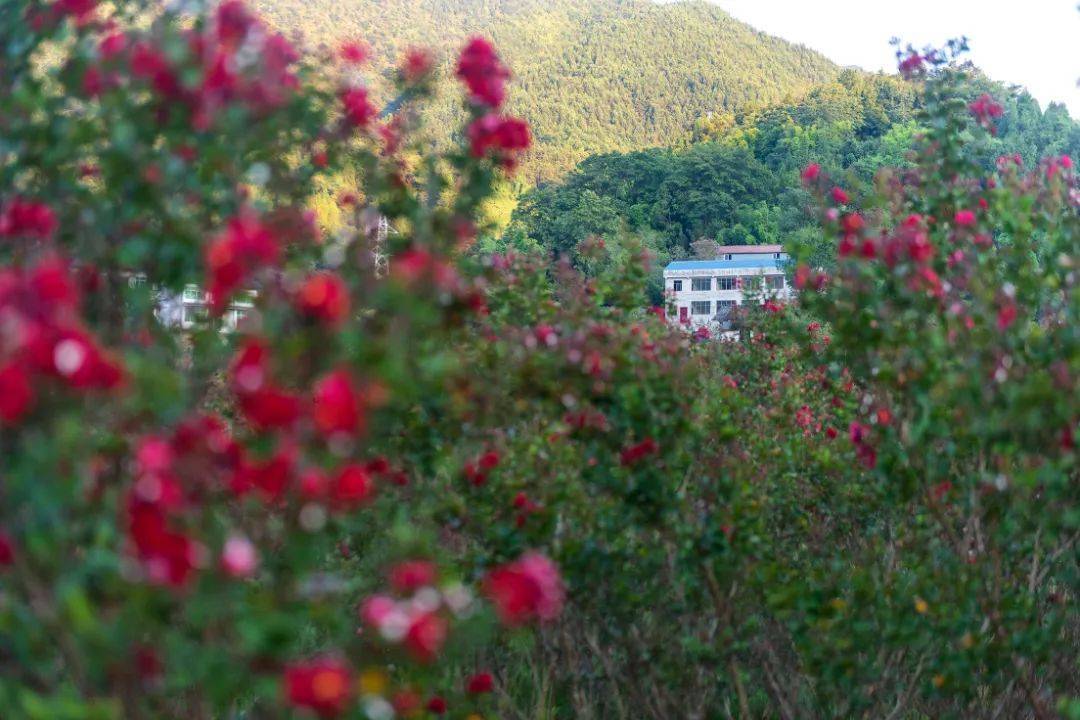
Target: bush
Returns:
[[422, 481]]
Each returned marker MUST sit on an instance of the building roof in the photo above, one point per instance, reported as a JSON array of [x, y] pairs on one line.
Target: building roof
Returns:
[[749, 249], [740, 264]]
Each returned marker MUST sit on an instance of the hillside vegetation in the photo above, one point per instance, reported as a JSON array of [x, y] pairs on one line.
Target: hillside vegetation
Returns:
[[738, 181], [591, 76]]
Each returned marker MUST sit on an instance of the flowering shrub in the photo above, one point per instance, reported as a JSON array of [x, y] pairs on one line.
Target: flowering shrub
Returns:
[[216, 523], [479, 487]]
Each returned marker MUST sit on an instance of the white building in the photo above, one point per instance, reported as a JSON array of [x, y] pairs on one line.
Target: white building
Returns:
[[701, 293], [191, 308]]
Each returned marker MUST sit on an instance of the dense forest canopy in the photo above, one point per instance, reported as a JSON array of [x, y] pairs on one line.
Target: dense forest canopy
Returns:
[[591, 76], [737, 182]]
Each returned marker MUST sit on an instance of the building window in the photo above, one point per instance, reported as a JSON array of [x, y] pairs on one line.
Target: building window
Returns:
[[728, 256], [726, 283], [750, 281], [774, 282], [701, 284], [724, 307], [676, 285], [700, 308], [776, 255], [193, 294]]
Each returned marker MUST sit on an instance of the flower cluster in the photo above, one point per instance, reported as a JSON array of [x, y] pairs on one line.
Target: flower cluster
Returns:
[[246, 245], [490, 134], [42, 338]]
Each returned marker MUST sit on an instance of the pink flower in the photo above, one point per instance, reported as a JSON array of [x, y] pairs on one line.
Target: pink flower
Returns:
[[377, 610], [483, 73], [417, 66], [526, 590], [354, 53], [964, 218], [112, 45], [239, 558], [359, 112]]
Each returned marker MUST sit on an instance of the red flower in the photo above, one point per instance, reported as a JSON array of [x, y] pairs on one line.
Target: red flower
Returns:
[[168, 557], [359, 112], [73, 356], [323, 686], [244, 246], [313, 485], [233, 21], [911, 65], [324, 297], [148, 664], [78, 9], [112, 45], [500, 137], [149, 63], [527, 589], [436, 706], [852, 223], [489, 460], [337, 404], [839, 196], [16, 394], [846, 246], [426, 636], [354, 53], [250, 367], [811, 172], [417, 66], [25, 217], [270, 477], [351, 487], [271, 408], [406, 703], [483, 73], [480, 683], [410, 576], [985, 109], [1006, 315], [964, 218], [634, 453], [7, 550]]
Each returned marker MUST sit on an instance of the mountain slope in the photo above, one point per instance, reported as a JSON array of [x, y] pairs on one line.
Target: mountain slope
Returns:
[[590, 75]]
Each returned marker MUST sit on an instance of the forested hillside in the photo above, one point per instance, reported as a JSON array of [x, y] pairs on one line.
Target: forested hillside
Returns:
[[739, 181], [591, 76]]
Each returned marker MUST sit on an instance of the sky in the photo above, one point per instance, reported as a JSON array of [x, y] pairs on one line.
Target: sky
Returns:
[[1034, 43]]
